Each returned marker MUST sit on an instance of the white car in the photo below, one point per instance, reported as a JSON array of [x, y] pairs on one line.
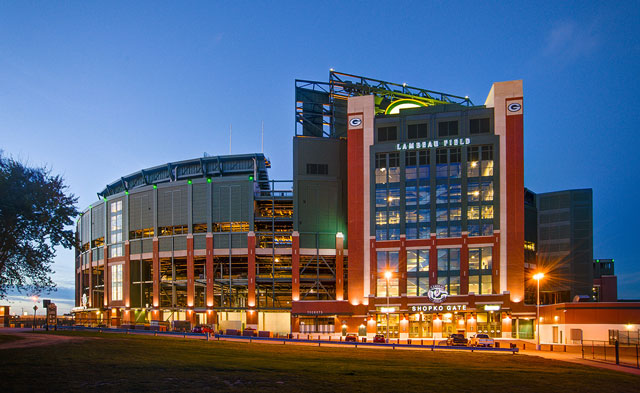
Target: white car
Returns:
[[482, 340]]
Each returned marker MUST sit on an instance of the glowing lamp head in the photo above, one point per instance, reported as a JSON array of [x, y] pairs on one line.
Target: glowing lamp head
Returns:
[[538, 276], [387, 275]]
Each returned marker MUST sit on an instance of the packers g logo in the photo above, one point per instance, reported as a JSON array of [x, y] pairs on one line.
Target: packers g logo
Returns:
[[355, 122], [437, 293], [514, 107]]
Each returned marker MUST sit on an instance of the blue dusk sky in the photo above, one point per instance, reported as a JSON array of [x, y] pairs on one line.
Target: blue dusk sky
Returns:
[[98, 90]]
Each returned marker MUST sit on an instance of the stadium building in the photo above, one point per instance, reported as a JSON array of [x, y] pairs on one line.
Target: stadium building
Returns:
[[405, 216]]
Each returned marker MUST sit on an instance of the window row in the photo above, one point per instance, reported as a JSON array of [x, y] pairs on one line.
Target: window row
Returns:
[[445, 129]]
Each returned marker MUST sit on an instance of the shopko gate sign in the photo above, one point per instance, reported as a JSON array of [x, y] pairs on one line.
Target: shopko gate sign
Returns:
[[438, 307], [429, 144]]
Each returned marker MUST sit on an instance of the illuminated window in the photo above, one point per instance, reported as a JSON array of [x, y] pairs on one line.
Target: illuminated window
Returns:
[[116, 282]]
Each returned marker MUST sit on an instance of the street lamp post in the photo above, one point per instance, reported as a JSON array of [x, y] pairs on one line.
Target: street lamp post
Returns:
[[538, 277], [35, 310], [387, 276]]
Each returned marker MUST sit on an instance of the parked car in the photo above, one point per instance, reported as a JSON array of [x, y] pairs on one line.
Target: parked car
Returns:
[[351, 338], [457, 339], [482, 340], [379, 338], [201, 329]]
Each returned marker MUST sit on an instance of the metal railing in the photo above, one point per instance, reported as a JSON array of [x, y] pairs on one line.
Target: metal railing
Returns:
[[618, 353]]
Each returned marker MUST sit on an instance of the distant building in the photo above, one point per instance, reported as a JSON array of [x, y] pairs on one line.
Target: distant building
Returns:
[[560, 243], [4, 316], [605, 282]]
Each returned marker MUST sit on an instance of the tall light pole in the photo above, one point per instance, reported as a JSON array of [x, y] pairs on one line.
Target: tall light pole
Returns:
[[538, 277], [35, 310], [387, 275]]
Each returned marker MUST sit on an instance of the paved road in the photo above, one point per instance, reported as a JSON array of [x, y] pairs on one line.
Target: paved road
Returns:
[[34, 339]]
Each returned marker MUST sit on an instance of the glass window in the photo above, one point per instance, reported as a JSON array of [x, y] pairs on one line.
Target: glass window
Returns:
[[474, 259], [411, 173], [423, 261], [455, 167], [454, 259], [473, 229], [486, 285], [116, 282], [487, 229], [423, 286], [386, 134], [382, 261], [394, 174], [381, 197], [412, 260], [455, 193], [387, 261], [473, 213], [474, 284], [444, 281], [381, 218], [448, 128], [412, 231], [441, 214], [417, 131], [454, 285], [443, 260], [424, 195], [487, 191], [487, 211], [479, 126], [411, 159], [425, 230], [473, 168], [486, 258], [473, 192], [442, 229], [412, 286], [441, 193], [394, 196], [411, 215], [455, 213], [382, 287]]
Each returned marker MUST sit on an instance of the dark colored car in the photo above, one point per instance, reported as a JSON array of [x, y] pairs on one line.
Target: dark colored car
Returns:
[[351, 338], [379, 338], [457, 339]]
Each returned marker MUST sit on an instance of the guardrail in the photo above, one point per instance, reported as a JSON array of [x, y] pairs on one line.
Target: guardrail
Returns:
[[356, 344]]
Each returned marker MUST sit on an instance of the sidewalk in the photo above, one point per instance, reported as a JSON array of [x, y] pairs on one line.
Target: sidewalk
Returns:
[[577, 358]]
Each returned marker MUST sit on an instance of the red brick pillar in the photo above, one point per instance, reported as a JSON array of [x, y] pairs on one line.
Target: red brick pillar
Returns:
[[295, 266], [156, 273], [251, 274], [190, 274], [209, 268], [402, 266], [126, 276], [252, 319], [433, 262], [495, 265], [373, 267], [464, 266], [339, 266]]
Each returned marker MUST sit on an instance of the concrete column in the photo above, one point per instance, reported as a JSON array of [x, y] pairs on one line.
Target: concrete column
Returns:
[[209, 268], [251, 274], [506, 325], [107, 277], [156, 273], [90, 295], [190, 273], [339, 266], [295, 266], [437, 326], [404, 327]]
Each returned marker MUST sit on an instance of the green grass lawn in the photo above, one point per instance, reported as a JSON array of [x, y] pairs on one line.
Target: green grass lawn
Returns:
[[114, 362], [5, 338]]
